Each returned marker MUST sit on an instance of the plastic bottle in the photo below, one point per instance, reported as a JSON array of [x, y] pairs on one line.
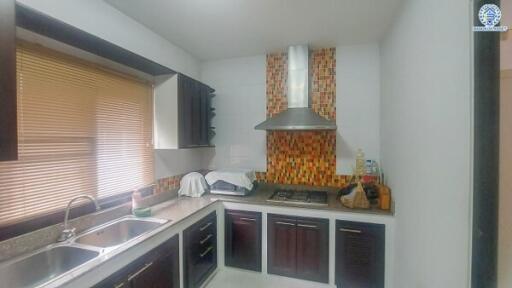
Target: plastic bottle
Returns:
[[136, 200], [360, 165]]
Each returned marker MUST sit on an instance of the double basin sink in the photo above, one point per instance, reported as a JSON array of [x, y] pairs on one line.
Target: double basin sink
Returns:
[[39, 267]]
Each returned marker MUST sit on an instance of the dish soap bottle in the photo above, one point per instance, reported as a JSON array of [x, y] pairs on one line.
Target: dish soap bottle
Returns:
[[138, 207]]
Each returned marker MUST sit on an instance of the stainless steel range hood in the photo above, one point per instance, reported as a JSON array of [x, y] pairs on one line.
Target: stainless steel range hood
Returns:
[[299, 115]]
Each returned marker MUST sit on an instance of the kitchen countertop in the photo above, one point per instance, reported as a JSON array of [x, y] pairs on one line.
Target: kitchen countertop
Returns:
[[179, 212], [264, 191]]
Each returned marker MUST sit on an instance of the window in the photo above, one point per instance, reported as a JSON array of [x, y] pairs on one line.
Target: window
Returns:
[[82, 130]]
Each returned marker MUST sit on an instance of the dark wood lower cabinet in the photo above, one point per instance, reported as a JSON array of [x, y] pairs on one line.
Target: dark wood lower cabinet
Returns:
[[298, 247], [313, 249], [360, 253], [243, 239], [159, 268], [200, 251]]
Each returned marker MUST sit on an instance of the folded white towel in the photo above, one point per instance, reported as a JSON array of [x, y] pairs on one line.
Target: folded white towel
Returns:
[[239, 177], [192, 185]]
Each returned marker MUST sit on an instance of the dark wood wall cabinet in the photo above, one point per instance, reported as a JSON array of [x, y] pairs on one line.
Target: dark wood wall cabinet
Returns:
[[159, 268], [183, 113], [195, 113], [360, 252], [298, 247], [243, 239], [200, 251], [8, 118]]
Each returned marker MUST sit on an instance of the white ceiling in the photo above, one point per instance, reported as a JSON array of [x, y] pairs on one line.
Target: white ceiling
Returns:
[[216, 29]]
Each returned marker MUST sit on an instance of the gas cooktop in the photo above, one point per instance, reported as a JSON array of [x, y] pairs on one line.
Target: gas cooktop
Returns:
[[302, 197]]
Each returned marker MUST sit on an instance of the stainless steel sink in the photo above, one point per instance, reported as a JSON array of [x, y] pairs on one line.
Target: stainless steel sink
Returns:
[[118, 231], [51, 262], [43, 266]]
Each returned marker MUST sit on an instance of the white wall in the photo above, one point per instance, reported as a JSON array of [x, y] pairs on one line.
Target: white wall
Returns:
[[357, 104], [104, 21], [175, 162], [426, 140], [241, 104]]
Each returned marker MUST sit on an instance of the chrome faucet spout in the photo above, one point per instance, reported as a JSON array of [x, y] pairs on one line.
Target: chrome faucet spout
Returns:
[[67, 232]]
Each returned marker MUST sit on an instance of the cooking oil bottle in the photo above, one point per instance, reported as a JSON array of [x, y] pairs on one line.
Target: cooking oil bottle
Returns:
[[360, 165]]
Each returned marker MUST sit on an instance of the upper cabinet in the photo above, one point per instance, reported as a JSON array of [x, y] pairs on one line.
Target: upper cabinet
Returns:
[[8, 119], [183, 113]]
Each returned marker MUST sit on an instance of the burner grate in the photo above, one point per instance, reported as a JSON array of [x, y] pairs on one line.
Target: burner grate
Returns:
[[300, 197]]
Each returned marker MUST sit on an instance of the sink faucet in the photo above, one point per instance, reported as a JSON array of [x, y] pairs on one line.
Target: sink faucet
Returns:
[[70, 232]]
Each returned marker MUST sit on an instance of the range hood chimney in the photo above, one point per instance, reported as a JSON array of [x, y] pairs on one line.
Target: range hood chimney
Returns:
[[299, 115]]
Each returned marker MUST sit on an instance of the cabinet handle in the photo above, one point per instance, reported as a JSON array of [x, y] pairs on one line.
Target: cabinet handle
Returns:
[[350, 230], [140, 271], [205, 239], [206, 252], [248, 219], [205, 226], [119, 285], [307, 226], [285, 223]]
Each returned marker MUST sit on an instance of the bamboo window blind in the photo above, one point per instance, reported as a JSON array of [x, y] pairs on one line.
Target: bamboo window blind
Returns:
[[82, 129]]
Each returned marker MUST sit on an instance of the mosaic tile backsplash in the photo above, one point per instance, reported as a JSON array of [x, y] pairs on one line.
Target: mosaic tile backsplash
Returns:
[[308, 157], [168, 183]]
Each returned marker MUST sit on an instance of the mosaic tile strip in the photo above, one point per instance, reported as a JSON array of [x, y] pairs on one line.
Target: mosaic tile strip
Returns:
[[277, 73], [172, 182], [309, 157], [168, 183], [323, 86]]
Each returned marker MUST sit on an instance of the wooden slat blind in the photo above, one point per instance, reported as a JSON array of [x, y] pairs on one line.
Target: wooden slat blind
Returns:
[[82, 130]]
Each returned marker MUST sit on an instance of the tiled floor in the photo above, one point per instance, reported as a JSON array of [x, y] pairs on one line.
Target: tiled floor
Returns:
[[234, 278]]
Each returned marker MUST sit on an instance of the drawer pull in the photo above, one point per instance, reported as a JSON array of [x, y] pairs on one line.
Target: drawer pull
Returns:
[[206, 252], [140, 271], [350, 230], [205, 226], [119, 285], [205, 239], [248, 219], [285, 223], [308, 226]]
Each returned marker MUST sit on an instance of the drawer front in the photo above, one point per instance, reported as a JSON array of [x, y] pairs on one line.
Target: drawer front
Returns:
[[200, 244]]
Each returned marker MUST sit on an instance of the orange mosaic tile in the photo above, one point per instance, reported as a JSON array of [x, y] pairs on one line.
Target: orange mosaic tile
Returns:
[[168, 183], [308, 157]]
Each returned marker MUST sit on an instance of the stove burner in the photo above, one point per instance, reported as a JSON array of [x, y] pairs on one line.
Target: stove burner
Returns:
[[308, 197]]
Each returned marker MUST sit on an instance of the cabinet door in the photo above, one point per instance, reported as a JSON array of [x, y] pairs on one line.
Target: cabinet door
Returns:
[[185, 94], [360, 254], [282, 245], [313, 249], [243, 239], [8, 120], [196, 113], [204, 115]]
